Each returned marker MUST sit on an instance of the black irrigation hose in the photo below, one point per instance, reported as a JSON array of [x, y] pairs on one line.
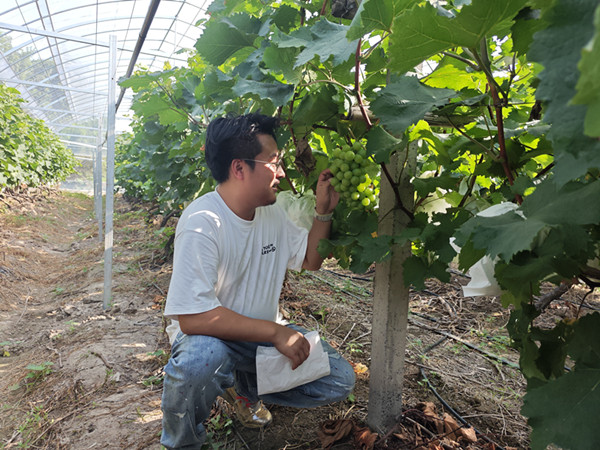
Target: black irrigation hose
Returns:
[[445, 404]]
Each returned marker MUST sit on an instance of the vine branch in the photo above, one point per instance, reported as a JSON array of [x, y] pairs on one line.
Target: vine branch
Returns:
[[463, 59], [484, 63]]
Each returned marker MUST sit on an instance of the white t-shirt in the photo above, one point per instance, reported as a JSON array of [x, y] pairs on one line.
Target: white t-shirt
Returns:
[[223, 260]]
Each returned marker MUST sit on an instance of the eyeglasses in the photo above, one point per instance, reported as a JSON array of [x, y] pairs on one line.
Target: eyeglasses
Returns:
[[273, 165]]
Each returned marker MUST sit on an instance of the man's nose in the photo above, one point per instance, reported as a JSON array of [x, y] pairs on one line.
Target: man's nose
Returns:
[[280, 172]]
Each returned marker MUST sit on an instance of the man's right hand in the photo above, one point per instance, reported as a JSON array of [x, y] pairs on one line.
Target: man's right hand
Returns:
[[292, 344], [225, 324]]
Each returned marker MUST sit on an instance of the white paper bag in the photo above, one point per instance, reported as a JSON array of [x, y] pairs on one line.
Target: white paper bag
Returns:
[[274, 370]]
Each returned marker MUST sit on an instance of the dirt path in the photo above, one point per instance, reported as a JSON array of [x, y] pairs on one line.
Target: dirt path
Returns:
[[74, 376]]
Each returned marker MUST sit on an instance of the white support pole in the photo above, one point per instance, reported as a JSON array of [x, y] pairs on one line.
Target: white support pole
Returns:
[[98, 180], [110, 171]]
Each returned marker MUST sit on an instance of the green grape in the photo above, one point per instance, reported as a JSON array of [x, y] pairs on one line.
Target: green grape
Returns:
[[355, 196], [354, 180], [348, 174], [365, 202]]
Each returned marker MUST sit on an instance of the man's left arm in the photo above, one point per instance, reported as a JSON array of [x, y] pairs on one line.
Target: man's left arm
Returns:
[[327, 200]]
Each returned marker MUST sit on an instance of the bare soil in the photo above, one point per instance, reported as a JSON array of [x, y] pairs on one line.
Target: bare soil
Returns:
[[76, 376]]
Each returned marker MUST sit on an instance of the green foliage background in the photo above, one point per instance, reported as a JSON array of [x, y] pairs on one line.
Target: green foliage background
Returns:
[[490, 102], [30, 153]]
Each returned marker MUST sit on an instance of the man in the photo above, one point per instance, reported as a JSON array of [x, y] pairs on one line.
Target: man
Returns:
[[232, 249]]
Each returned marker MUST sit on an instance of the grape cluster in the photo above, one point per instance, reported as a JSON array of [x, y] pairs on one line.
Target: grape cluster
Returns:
[[350, 167]]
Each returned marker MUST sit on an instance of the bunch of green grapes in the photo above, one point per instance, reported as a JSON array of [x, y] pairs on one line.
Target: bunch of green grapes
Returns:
[[354, 176]]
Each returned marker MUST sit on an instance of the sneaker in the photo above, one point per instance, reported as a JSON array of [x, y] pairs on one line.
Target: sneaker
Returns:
[[251, 415]]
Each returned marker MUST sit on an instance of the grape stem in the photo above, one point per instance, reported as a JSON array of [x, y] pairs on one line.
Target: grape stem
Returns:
[[367, 119], [357, 86], [484, 63]]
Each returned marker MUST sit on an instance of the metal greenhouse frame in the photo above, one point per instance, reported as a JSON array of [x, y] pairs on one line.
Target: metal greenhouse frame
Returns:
[[66, 56]]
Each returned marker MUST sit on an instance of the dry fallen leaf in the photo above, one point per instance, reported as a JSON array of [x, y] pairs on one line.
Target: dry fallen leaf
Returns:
[[428, 409], [360, 368], [364, 438], [457, 432], [332, 431]]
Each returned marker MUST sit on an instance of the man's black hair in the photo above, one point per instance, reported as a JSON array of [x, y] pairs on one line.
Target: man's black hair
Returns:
[[229, 138]]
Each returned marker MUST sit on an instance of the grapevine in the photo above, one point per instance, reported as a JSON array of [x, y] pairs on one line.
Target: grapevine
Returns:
[[482, 111]]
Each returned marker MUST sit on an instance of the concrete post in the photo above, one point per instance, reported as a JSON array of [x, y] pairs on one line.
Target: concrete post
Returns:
[[390, 303]]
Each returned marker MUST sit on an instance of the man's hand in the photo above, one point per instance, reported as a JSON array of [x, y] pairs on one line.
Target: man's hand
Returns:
[[292, 344], [327, 197]]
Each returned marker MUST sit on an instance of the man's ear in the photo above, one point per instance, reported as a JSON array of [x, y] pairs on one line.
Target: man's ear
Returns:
[[236, 169]]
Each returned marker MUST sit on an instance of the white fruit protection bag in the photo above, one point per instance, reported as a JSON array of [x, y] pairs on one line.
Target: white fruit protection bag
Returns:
[[274, 371]]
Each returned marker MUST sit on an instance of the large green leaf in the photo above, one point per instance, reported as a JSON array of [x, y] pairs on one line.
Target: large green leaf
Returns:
[[558, 48], [405, 101], [564, 411], [588, 85], [552, 205], [281, 60], [324, 39], [376, 15], [222, 39], [424, 31], [510, 233], [316, 106], [381, 144], [278, 93]]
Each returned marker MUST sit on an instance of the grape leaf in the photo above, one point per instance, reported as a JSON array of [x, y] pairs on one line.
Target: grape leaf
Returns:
[[286, 17], [425, 186], [453, 74], [324, 39], [527, 23], [584, 346], [510, 233], [558, 49], [552, 205], [375, 15], [422, 31], [315, 107], [278, 93], [405, 101], [564, 412], [588, 85], [222, 39], [381, 144], [281, 60]]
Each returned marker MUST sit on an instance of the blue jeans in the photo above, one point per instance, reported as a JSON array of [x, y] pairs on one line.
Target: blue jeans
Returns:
[[202, 367]]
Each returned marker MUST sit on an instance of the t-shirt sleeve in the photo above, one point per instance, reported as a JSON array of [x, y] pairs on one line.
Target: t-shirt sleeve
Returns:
[[297, 238], [195, 264]]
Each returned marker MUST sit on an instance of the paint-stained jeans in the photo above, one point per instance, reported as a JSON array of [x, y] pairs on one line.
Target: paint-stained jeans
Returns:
[[202, 367]]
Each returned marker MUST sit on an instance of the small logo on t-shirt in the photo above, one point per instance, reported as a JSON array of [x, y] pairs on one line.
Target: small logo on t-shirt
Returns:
[[270, 248]]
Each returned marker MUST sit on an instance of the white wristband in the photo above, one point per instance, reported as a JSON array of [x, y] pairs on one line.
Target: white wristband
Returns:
[[323, 217]]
